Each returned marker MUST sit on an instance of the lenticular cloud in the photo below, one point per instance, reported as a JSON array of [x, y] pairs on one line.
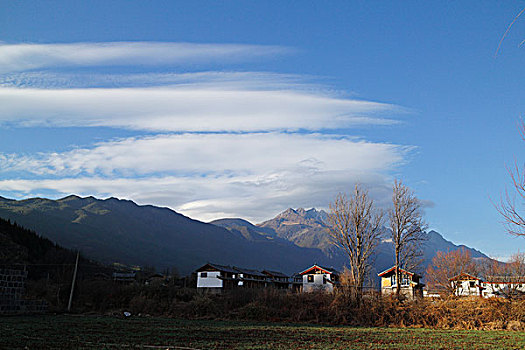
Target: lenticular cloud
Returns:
[[187, 108], [23, 57], [208, 143]]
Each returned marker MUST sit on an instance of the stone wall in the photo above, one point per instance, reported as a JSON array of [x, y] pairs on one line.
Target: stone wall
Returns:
[[12, 290]]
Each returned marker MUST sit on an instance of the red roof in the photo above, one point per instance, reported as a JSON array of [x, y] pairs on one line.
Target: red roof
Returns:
[[392, 269], [317, 267]]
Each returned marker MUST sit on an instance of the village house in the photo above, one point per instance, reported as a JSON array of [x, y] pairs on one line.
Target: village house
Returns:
[[215, 278], [124, 277], [248, 278], [504, 286], [156, 279], [318, 278], [410, 285], [277, 279], [465, 284]]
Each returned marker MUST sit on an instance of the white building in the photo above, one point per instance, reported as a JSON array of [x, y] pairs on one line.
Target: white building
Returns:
[[504, 286], [215, 278], [465, 285], [318, 278]]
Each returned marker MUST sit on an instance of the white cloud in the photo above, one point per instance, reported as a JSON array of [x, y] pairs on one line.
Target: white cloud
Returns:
[[186, 108], [190, 154], [207, 176], [253, 197], [210, 79], [27, 56], [244, 144]]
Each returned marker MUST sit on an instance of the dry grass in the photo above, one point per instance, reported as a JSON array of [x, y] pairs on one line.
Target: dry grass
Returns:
[[314, 308]]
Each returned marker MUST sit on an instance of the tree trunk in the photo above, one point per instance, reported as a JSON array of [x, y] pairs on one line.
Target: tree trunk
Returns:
[[398, 276]]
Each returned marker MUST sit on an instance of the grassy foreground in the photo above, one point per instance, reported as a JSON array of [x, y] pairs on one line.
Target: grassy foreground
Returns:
[[102, 332]]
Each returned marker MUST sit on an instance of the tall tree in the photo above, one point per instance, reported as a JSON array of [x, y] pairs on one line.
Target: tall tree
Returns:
[[446, 265], [407, 225], [355, 227]]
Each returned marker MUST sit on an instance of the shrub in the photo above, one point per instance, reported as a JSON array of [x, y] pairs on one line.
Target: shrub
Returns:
[[285, 306]]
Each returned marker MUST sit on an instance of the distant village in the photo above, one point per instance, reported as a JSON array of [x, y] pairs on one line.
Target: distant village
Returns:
[[216, 278]]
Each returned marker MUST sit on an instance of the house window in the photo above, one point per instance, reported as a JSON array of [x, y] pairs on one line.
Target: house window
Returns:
[[324, 279], [310, 279], [472, 284], [204, 274]]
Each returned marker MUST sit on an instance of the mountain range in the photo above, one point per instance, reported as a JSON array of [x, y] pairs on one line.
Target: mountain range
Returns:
[[113, 230], [308, 228]]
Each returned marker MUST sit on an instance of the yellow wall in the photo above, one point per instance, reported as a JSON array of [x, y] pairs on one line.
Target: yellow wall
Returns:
[[385, 282]]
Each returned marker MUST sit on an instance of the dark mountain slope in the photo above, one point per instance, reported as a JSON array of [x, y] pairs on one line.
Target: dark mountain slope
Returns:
[[21, 247], [113, 230]]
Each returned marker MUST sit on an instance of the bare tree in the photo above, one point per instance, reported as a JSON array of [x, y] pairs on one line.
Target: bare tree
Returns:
[[355, 227], [407, 225], [514, 220], [446, 265]]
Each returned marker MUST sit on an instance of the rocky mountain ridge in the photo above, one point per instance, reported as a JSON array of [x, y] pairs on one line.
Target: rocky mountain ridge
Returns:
[[113, 230]]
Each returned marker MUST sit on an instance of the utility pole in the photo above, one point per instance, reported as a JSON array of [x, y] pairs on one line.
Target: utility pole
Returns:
[[73, 284]]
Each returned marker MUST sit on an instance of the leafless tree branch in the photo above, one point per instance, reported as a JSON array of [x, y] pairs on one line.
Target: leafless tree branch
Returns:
[[508, 208], [355, 227], [407, 225]]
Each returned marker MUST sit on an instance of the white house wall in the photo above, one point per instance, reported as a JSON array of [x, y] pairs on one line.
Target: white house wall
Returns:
[[317, 284], [491, 289], [463, 288], [211, 281]]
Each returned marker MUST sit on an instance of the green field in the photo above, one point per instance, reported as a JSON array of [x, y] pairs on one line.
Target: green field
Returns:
[[97, 332]]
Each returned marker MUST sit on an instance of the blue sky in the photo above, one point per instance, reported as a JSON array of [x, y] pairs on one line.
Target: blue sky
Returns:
[[245, 109]]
